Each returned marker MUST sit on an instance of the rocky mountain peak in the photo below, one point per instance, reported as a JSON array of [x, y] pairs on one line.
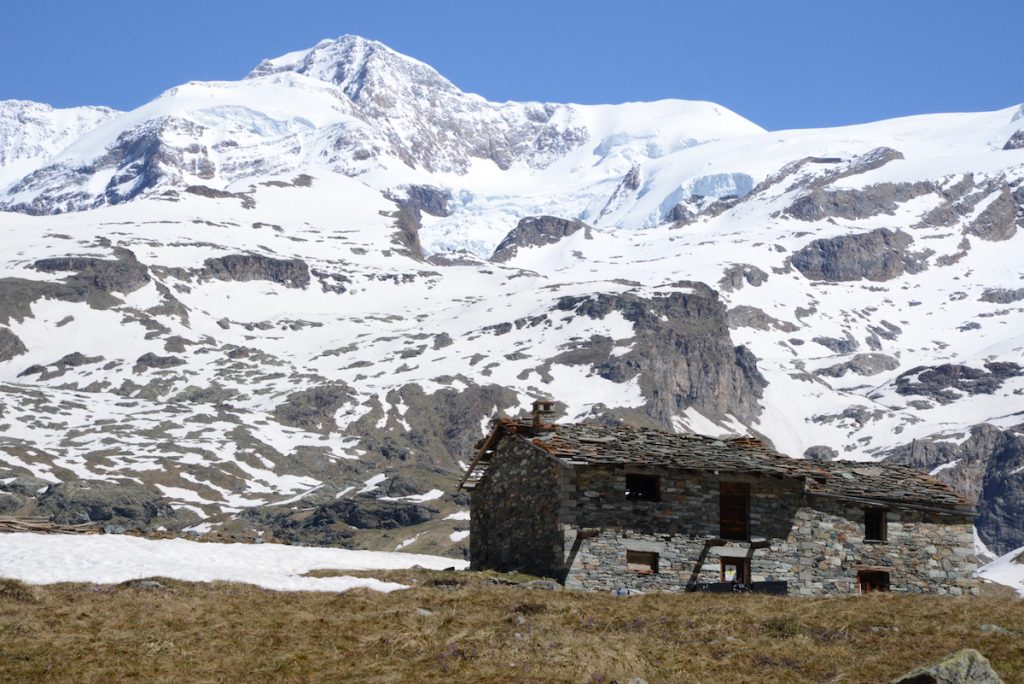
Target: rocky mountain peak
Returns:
[[364, 69]]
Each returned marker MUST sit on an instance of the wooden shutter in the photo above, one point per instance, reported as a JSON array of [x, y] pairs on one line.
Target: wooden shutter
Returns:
[[734, 508]]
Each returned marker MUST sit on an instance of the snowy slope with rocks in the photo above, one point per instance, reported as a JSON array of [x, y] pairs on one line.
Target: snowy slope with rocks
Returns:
[[290, 305]]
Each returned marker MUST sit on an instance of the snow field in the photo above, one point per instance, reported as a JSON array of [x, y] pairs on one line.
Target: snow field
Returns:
[[109, 559]]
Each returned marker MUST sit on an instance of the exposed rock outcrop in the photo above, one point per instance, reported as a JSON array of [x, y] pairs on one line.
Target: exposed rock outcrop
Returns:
[[862, 364], [984, 467], [878, 255], [945, 383], [123, 275], [1015, 141], [443, 426], [149, 360], [751, 317], [10, 345], [313, 409], [853, 205], [427, 198], [535, 231], [682, 353], [736, 275], [245, 267], [847, 345], [1002, 296], [336, 523], [125, 504], [998, 220]]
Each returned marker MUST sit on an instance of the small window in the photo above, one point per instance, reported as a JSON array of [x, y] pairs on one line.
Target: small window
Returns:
[[874, 524], [643, 562], [643, 487], [872, 580], [735, 570]]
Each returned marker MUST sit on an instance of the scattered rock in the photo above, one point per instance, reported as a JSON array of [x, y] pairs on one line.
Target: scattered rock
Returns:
[[150, 360], [752, 317], [966, 666], [844, 346], [821, 453], [862, 364], [1001, 296], [734, 276]]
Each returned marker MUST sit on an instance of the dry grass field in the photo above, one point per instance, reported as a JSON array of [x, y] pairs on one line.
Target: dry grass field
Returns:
[[469, 627]]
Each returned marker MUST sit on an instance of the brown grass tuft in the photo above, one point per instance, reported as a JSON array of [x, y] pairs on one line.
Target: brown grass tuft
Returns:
[[17, 592]]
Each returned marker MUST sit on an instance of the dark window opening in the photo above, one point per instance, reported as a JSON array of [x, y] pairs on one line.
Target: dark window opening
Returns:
[[874, 524], [734, 507], [643, 562], [872, 580], [736, 570], [643, 487]]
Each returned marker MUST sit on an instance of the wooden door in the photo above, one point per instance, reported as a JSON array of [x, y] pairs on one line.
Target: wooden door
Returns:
[[734, 509]]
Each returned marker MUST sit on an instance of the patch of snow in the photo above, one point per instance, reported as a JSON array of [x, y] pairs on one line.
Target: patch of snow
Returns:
[[108, 559]]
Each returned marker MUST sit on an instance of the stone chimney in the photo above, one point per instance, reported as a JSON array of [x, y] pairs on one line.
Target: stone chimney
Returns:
[[541, 412]]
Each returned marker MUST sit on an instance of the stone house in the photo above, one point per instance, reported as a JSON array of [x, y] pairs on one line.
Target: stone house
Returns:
[[617, 507]]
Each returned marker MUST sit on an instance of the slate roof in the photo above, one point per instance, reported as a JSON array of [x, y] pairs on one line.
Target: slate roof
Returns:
[[628, 445], [592, 444], [888, 484]]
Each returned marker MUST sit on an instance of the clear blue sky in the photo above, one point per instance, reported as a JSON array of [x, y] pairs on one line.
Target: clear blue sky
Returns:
[[783, 64]]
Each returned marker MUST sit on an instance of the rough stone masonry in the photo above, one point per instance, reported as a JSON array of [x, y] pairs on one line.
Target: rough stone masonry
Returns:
[[556, 501]]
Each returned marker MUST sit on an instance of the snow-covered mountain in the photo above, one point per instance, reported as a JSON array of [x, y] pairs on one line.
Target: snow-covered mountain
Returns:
[[291, 304]]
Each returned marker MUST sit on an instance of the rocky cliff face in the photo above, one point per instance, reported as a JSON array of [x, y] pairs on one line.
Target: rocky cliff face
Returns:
[[878, 255], [682, 354], [534, 231], [985, 464]]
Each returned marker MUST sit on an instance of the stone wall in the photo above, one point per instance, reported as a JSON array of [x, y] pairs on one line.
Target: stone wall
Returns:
[[924, 551], [600, 524], [514, 513]]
